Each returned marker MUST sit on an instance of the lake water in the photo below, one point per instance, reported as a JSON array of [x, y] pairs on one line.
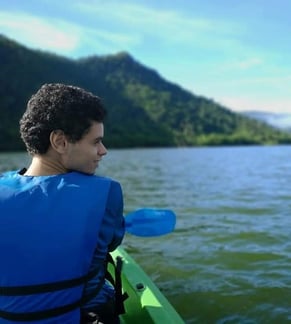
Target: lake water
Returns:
[[229, 259]]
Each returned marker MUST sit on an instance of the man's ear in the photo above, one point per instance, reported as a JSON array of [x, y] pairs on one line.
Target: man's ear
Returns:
[[58, 141]]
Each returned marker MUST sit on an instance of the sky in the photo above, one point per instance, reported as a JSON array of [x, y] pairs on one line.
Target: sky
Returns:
[[235, 52]]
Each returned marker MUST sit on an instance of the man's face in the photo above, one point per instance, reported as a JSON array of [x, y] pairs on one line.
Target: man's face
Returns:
[[85, 155]]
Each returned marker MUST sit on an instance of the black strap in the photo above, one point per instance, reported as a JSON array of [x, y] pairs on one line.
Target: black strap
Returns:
[[39, 315], [120, 297], [57, 311], [22, 171], [48, 287]]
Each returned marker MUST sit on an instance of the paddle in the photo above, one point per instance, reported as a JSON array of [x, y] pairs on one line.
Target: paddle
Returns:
[[150, 222]]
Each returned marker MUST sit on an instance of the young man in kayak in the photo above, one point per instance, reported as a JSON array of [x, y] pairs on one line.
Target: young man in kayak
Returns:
[[57, 219]]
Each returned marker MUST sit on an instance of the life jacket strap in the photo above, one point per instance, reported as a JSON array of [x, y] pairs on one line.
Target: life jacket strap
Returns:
[[120, 296], [39, 315], [47, 287], [36, 289]]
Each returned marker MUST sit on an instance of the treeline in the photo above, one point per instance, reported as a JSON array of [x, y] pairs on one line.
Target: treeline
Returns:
[[144, 110]]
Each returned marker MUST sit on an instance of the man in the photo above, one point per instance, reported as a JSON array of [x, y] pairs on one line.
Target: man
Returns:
[[57, 219]]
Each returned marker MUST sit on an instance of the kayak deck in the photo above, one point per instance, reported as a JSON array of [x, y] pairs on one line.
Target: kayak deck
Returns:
[[146, 303]]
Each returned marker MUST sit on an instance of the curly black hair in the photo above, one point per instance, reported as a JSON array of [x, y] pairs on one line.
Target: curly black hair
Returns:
[[57, 106]]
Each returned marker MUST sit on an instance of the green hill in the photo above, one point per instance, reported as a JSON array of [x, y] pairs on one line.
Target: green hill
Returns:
[[143, 109]]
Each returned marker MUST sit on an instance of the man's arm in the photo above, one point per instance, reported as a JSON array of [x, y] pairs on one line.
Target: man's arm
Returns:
[[110, 237]]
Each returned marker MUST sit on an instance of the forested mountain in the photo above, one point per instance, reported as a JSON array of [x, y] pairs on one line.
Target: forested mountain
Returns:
[[143, 109]]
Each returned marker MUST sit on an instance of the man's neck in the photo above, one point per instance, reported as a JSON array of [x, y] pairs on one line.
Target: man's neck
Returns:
[[44, 165]]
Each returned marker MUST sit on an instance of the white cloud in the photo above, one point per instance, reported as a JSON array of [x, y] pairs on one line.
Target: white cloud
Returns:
[[111, 26], [63, 37], [249, 63], [265, 85], [240, 65], [40, 33], [169, 25], [113, 39], [247, 102]]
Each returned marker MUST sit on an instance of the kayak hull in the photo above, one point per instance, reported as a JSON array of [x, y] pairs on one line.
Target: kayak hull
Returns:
[[146, 303]]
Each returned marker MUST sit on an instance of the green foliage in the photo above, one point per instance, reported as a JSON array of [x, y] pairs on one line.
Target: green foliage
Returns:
[[144, 110]]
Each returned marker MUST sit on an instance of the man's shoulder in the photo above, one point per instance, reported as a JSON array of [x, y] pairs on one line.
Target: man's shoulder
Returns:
[[112, 182], [96, 178], [8, 176]]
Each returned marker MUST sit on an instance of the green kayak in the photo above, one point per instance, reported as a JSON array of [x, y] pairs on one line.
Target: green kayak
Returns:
[[146, 303]]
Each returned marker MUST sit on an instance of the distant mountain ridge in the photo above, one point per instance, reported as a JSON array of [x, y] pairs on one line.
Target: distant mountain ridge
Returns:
[[144, 110], [278, 120]]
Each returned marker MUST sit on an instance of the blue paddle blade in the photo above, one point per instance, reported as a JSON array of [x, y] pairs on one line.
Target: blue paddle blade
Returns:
[[150, 222]]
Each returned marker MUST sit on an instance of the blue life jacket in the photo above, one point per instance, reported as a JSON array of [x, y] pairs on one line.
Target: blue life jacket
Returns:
[[49, 229]]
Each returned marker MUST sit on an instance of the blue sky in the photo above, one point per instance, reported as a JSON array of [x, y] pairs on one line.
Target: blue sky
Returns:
[[232, 51]]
